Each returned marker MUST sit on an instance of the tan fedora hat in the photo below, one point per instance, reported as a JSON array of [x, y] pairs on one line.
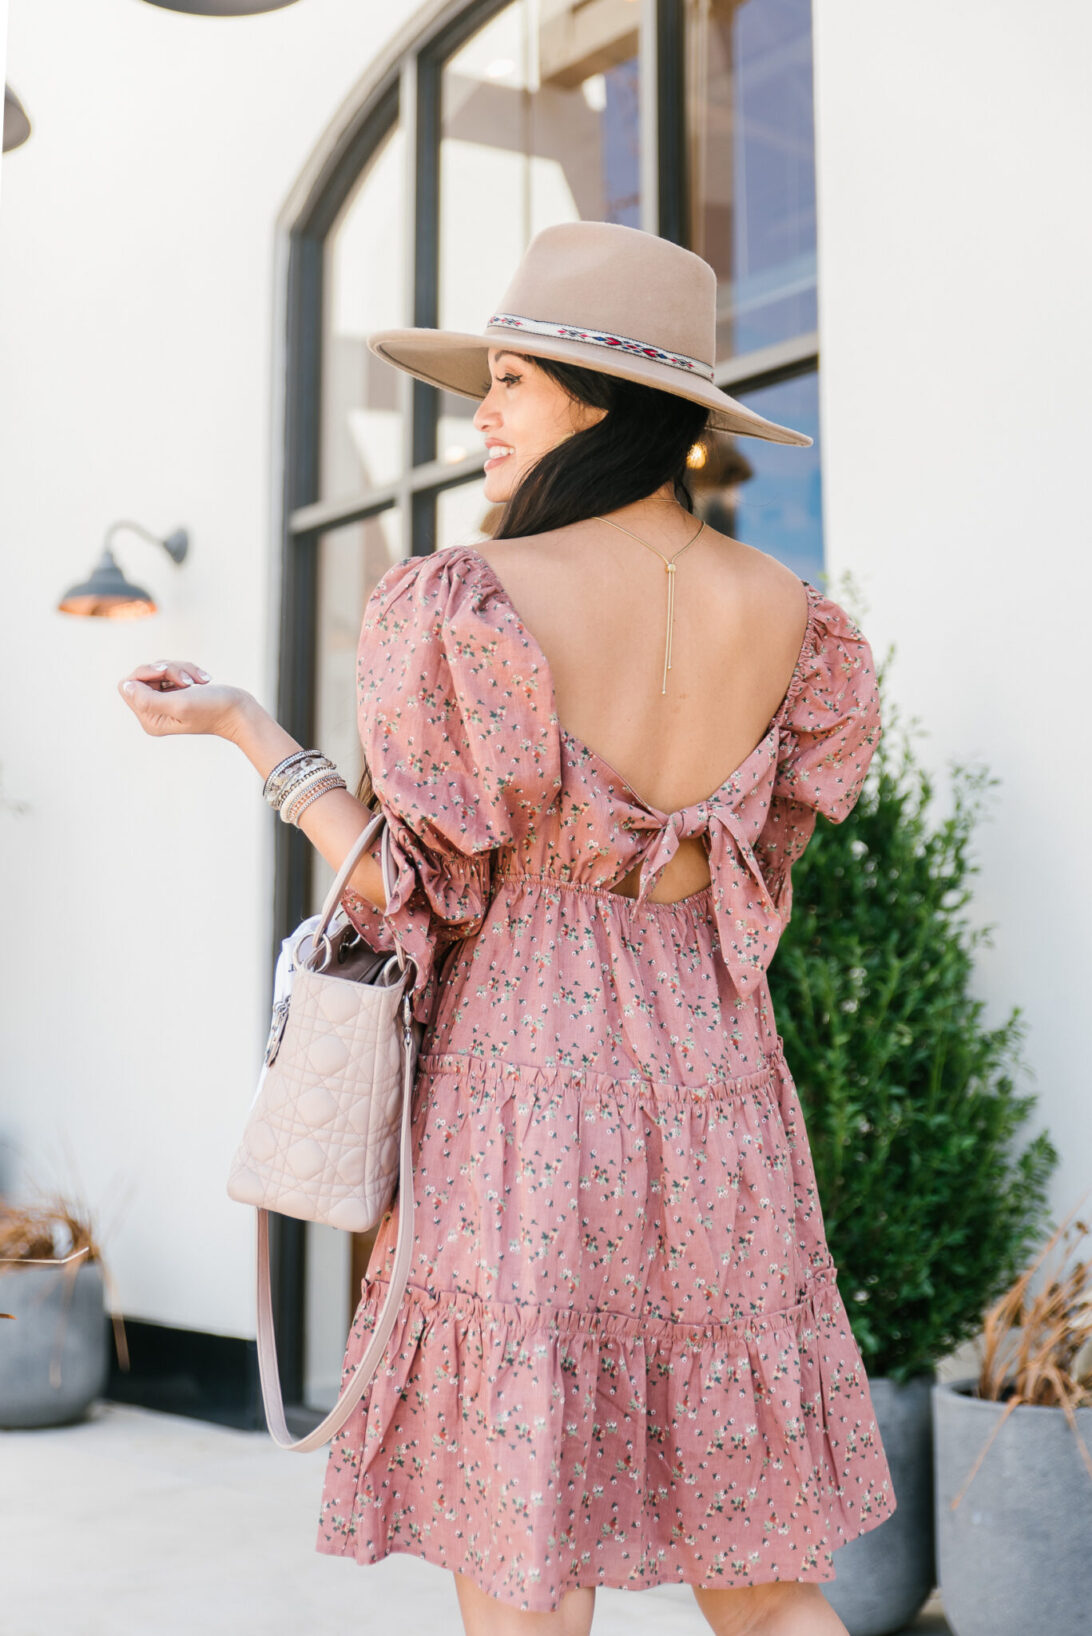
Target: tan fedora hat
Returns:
[[603, 296]]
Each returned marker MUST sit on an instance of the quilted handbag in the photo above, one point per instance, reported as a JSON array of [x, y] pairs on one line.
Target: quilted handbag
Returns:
[[328, 1132]]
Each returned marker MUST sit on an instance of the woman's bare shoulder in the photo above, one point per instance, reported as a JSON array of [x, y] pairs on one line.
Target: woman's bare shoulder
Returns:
[[521, 547], [766, 576], [761, 570], [744, 578]]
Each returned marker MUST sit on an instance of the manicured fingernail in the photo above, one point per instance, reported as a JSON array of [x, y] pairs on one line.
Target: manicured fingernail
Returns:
[[204, 675], [161, 666], [127, 687]]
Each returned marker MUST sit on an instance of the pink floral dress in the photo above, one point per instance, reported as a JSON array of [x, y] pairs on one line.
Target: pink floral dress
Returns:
[[623, 1357]]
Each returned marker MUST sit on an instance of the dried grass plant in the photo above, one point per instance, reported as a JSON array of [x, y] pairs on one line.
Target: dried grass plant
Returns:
[[57, 1232], [1036, 1344]]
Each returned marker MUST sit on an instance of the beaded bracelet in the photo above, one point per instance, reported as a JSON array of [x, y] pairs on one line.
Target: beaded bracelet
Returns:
[[290, 811], [302, 785], [299, 775], [301, 806], [286, 773], [294, 780], [290, 779], [284, 807], [305, 779], [283, 766]]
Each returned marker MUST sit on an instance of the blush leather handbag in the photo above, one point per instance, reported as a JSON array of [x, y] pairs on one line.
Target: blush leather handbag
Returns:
[[328, 1132]]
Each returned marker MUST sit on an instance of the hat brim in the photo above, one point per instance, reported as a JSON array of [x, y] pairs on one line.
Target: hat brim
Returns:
[[458, 362]]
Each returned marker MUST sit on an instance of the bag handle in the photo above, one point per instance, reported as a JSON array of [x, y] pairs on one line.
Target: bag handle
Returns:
[[272, 1396], [348, 864]]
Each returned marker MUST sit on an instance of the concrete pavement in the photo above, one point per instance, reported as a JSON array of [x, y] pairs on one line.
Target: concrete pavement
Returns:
[[133, 1522]]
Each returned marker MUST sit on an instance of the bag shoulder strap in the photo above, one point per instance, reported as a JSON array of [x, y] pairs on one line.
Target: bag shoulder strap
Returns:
[[272, 1396]]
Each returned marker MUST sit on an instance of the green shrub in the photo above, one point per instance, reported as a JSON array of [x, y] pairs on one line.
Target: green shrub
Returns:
[[931, 1205]]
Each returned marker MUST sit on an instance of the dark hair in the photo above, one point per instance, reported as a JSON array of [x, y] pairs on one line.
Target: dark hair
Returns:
[[640, 443]]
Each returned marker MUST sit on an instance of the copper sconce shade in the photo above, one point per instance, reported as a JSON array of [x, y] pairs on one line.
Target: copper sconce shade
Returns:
[[108, 594]]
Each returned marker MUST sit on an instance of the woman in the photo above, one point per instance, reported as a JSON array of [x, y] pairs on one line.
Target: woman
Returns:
[[622, 1358]]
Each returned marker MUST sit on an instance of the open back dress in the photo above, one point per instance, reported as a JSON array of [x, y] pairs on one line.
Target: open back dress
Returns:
[[622, 1357]]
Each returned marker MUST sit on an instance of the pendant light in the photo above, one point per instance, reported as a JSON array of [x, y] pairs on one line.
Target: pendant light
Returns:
[[108, 594], [16, 123], [222, 8]]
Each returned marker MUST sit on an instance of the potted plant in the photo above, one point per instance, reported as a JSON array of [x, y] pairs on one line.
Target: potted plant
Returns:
[[1014, 1468], [54, 1356], [913, 1116]]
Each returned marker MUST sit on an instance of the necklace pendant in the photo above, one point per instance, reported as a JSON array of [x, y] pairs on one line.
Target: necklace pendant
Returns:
[[669, 565]]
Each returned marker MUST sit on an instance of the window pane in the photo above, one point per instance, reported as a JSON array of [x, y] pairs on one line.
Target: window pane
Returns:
[[769, 495], [351, 561], [751, 146], [464, 516], [364, 290], [539, 124]]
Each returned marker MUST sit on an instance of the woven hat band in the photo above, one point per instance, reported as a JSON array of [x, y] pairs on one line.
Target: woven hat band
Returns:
[[600, 338]]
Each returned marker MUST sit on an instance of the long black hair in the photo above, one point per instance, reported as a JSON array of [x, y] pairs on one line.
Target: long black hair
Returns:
[[639, 444]]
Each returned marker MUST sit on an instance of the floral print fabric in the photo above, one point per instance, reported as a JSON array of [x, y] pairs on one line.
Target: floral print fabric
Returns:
[[622, 1357]]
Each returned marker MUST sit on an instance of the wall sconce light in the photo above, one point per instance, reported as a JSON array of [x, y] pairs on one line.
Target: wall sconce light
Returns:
[[222, 8], [108, 594], [16, 123]]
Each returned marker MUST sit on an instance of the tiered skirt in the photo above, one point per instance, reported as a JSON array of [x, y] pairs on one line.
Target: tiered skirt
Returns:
[[623, 1358]]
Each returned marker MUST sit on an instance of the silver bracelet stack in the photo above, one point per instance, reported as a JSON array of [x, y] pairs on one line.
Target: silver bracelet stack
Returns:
[[298, 780]]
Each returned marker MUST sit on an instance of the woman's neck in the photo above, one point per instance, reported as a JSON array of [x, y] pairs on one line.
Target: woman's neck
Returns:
[[656, 516]]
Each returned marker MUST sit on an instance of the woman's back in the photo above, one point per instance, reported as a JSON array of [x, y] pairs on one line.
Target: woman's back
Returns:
[[496, 793], [596, 606]]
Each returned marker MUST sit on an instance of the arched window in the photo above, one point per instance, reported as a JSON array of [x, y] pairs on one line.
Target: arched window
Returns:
[[688, 118]]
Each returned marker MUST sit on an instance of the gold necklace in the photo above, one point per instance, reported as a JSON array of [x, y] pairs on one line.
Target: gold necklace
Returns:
[[669, 565]]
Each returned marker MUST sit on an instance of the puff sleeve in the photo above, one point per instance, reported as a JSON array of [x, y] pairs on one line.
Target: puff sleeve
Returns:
[[460, 736], [830, 733]]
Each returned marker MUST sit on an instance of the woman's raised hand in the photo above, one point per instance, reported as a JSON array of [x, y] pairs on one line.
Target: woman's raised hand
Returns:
[[175, 696]]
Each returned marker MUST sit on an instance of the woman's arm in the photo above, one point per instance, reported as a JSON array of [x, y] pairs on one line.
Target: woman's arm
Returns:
[[331, 821], [179, 697]]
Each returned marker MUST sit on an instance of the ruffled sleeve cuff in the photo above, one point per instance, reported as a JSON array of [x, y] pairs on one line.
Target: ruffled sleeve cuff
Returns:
[[834, 725], [828, 739], [433, 904]]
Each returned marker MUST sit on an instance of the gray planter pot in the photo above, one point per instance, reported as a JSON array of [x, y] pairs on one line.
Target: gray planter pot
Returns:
[[1014, 1556], [54, 1356], [885, 1577]]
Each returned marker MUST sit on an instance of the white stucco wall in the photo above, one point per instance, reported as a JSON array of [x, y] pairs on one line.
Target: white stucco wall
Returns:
[[136, 355], [3, 63], [136, 348], [954, 270]]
